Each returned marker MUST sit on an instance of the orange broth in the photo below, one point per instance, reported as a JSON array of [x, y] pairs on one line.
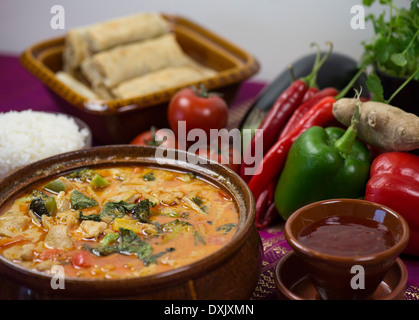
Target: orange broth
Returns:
[[138, 221]]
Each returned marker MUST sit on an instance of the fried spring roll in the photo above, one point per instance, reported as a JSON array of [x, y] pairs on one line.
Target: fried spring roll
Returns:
[[122, 63], [82, 42], [76, 85], [160, 80]]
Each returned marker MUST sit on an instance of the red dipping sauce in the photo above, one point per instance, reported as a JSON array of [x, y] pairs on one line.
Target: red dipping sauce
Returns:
[[347, 236]]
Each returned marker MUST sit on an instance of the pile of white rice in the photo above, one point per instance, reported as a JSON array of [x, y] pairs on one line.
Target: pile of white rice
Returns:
[[28, 136]]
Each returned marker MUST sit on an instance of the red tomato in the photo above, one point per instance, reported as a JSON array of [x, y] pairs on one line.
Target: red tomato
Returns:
[[199, 109], [81, 259], [156, 138], [50, 254]]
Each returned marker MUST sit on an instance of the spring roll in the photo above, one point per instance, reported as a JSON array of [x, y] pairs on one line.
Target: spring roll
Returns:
[[160, 80], [76, 85], [82, 42], [132, 28], [75, 50], [125, 62]]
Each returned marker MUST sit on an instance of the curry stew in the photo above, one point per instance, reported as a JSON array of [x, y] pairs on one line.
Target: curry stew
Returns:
[[117, 222]]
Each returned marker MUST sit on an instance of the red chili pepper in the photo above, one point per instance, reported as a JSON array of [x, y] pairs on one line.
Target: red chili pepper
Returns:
[[282, 109], [394, 182], [261, 206], [304, 107], [319, 115], [270, 215], [280, 112], [310, 93]]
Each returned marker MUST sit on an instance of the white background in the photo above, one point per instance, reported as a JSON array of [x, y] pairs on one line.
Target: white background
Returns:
[[276, 32]]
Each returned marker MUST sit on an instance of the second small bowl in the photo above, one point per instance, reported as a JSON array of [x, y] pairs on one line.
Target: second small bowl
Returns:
[[346, 267]]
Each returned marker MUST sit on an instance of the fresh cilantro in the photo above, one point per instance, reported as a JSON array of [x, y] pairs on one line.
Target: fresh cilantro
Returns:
[[395, 47], [374, 86]]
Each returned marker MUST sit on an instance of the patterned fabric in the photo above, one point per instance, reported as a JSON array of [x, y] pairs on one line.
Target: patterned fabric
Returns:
[[274, 248]]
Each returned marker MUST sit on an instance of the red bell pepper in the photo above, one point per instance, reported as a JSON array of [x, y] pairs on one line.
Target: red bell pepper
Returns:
[[394, 182]]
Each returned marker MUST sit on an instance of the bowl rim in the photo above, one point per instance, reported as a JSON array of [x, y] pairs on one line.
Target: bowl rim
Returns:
[[246, 224], [303, 250]]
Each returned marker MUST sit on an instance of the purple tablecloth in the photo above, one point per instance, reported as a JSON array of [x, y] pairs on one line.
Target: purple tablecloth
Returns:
[[20, 90]]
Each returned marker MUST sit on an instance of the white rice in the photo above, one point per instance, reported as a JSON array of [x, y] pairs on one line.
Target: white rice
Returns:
[[28, 136]]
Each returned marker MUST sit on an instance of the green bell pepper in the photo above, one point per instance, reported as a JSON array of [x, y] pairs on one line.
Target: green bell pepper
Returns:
[[323, 164]]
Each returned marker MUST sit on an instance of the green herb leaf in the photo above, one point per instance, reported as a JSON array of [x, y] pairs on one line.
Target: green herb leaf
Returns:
[[80, 201], [198, 201], [131, 243], [198, 239], [394, 49], [142, 210], [154, 257], [116, 209], [414, 8], [399, 59], [226, 228], [374, 86], [149, 177], [92, 217], [368, 3], [171, 229], [126, 242]]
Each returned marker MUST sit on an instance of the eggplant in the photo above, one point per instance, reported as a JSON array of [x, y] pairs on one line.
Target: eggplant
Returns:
[[337, 71]]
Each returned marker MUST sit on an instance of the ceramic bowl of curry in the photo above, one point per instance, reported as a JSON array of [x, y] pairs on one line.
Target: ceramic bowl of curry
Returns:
[[346, 246], [125, 222]]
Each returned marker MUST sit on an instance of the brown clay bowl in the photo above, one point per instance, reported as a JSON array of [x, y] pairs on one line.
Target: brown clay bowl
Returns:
[[230, 273], [332, 274]]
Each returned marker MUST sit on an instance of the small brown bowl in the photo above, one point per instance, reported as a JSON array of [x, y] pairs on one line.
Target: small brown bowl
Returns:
[[119, 121], [332, 274], [230, 273]]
